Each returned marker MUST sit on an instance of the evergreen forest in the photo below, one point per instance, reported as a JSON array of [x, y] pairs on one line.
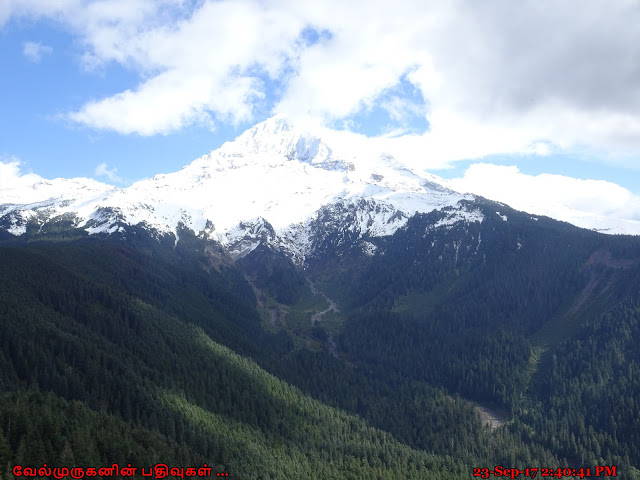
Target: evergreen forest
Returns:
[[472, 345]]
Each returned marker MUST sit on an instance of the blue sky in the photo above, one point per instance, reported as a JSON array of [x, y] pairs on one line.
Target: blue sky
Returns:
[[120, 90], [36, 93]]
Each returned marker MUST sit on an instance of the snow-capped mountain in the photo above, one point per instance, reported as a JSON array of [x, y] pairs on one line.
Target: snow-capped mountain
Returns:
[[37, 201], [277, 183]]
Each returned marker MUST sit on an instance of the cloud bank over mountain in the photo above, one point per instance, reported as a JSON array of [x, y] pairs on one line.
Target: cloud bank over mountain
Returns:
[[495, 77]]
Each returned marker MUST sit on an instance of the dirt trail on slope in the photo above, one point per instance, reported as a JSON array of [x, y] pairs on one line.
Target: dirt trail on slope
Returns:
[[599, 281], [274, 313], [332, 305], [604, 257], [316, 317], [490, 417], [599, 257]]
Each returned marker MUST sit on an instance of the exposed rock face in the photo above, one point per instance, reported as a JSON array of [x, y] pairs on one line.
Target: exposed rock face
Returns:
[[301, 191]]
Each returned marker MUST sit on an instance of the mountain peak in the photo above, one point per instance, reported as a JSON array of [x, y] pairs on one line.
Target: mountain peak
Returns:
[[297, 178], [280, 137]]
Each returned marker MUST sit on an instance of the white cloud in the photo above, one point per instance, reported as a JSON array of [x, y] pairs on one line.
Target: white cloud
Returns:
[[34, 51], [587, 203], [497, 77], [35, 8], [401, 110], [163, 104], [103, 170], [12, 178], [206, 65]]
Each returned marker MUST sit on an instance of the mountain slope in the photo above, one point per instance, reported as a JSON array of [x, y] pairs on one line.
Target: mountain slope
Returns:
[[117, 365], [428, 301], [274, 183], [138, 336]]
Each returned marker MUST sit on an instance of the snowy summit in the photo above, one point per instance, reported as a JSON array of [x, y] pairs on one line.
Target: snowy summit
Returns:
[[271, 183]]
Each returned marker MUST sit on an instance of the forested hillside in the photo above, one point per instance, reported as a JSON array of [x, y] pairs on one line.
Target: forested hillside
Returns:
[[525, 315], [132, 350], [93, 375]]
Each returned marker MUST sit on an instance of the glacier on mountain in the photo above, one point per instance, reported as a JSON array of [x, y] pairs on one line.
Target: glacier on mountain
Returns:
[[276, 183]]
